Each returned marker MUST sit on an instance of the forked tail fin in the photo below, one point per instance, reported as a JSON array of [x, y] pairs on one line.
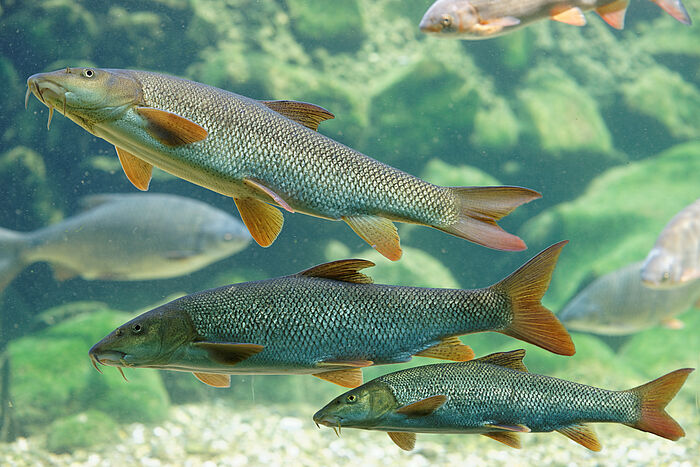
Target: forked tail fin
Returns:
[[532, 322], [654, 396], [479, 209], [10, 256], [674, 8]]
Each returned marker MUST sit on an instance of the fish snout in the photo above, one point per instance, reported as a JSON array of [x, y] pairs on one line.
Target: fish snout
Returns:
[[428, 25], [326, 420], [106, 357]]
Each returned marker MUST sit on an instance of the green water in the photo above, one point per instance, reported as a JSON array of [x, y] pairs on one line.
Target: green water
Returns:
[[604, 123]]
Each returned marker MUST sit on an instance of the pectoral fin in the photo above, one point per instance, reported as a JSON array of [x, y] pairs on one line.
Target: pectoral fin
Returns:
[[583, 435], [506, 437], [264, 221], [169, 128], [350, 378], [229, 354], [268, 192], [573, 16], [423, 407], [450, 348], [346, 270], [137, 170], [214, 379], [379, 232], [404, 440], [309, 115], [614, 13]]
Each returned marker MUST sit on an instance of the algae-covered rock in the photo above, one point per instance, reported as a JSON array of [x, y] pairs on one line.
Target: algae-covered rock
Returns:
[[416, 268], [441, 173], [52, 375], [665, 96], [338, 25], [495, 126], [617, 219], [563, 115], [82, 430]]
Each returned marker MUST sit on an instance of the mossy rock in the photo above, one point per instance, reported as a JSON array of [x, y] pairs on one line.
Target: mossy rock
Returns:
[[563, 116], [439, 172], [82, 430], [495, 126], [334, 25], [616, 221], [52, 377]]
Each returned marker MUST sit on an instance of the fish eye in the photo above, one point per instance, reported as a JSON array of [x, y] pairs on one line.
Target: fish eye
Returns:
[[351, 398], [136, 328], [446, 21], [228, 237], [88, 73]]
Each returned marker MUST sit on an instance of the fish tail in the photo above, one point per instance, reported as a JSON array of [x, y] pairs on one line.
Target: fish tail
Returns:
[[531, 321], [478, 210], [11, 262], [654, 396], [676, 9]]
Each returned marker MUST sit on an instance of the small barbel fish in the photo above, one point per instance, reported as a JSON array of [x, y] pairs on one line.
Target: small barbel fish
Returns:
[[330, 321], [618, 303], [265, 154], [496, 396], [482, 19], [675, 258], [126, 237]]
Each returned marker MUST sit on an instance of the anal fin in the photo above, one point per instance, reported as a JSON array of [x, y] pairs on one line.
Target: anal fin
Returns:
[[214, 379], [573, 16], [614, 13], [350, 378], [379, 232], [450, 348], [508, 438], [137, 170], [264, 221], [583, 435], [403, 439]]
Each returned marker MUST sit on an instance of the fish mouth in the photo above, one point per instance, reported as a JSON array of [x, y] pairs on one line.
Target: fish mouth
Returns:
[[428, 26], [329, 421], [109, 358], [48, 92]]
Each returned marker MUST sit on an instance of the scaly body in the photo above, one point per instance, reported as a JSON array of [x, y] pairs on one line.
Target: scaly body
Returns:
[[244, 149], [496, 396]]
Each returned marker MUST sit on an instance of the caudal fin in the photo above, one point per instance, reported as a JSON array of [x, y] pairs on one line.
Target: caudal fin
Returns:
[[532, 322], [655, 396], [674, 8], [10, 260], [479, 209]]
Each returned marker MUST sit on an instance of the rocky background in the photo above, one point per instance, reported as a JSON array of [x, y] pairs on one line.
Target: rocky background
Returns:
[[604, 123]]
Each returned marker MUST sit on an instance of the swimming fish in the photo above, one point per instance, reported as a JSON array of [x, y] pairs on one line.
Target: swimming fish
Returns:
[[265, 154], [675, 257], [617, 304], [496, 396], [125, 237], [482, 19], [330, 321]]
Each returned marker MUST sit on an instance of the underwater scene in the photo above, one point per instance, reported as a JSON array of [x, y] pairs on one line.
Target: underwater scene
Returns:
[[517, 257]]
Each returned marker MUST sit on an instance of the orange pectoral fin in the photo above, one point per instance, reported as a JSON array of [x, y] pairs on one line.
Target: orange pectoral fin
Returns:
[[137, 170], [171, 129], [614, 13], [573, 16]]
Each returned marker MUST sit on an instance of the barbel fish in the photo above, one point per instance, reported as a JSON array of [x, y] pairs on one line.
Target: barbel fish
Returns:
[[496, 396], [126, 237], [482, 19], [330, 321], [265, 154], [675, 258]]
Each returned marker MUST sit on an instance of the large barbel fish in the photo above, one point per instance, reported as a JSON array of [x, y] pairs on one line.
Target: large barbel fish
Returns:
[[497, 397], [265, 154], [330, 321]]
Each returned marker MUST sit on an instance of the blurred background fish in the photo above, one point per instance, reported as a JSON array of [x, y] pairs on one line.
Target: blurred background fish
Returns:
[[675, 258], [481, 19], [618, 304], [126, 237]]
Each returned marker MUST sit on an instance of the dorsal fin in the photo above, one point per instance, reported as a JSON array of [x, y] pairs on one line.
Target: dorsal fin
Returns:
[[512, 359], [346, 270], [309, 115]]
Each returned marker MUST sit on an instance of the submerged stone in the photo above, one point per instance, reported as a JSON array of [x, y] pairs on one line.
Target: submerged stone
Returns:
[[82, 430]]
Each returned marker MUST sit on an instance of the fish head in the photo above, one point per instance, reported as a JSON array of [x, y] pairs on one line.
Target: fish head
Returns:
[[449, 18], [362, 407], [86, 95], [148, 341], [661, 270]]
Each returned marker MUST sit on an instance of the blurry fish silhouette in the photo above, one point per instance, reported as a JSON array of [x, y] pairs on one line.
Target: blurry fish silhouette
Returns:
[[265, 154], [127, 237], [617, 303], [482, 19], [496, 396], [330, 321], [675, 258]]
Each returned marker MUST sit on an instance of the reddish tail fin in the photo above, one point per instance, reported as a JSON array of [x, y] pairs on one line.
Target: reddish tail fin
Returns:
[[674, 8], [532, 322], [479, 209], [655, 395]]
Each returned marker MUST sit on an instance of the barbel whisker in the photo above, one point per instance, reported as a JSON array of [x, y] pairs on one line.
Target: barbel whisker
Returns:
[[26, 97], [48, 124], [122, 373]]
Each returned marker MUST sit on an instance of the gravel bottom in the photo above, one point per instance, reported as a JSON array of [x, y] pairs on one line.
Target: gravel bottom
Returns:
[[220, 434]]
